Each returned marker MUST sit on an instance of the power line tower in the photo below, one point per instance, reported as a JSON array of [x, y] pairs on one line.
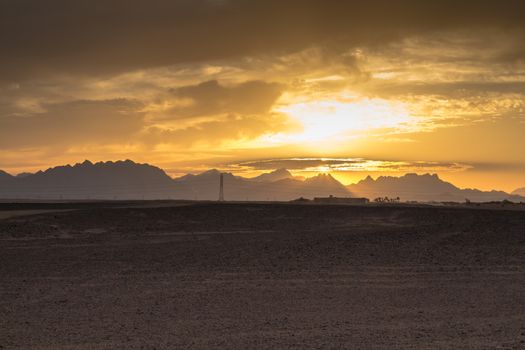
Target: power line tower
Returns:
[[221, 189]]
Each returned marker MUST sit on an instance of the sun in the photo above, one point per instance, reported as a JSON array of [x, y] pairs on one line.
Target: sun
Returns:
[[338, 119]]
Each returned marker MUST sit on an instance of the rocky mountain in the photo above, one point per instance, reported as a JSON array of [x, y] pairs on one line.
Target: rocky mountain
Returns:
[[24, 175], [107, 180], [275, 175], [130, 180], [322, 185], [413, 187], [205, 186], [519, 192], [5, 176]]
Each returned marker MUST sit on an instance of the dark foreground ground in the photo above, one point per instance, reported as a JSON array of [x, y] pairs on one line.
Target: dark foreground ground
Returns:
[[262, 276]]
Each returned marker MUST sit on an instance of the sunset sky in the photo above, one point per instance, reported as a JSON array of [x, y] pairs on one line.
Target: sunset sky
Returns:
[[346, 87]]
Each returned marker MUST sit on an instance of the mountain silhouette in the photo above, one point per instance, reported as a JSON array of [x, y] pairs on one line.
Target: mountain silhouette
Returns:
[[130, 180], [5, 176], [105, 180], [275, 175], [519, 192], [204, 186], [321, 185], [24, 175], [427, 187], [326, 181]]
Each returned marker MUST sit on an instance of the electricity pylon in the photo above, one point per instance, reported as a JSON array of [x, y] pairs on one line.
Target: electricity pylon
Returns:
[[221, 189]]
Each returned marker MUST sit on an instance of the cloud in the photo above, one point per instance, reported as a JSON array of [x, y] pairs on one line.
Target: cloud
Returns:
[[452, 89], [214, 132], [211, 113], [347, 165], [216, 113], [112, 36], [205, 80], [211, 98], [73, 123]]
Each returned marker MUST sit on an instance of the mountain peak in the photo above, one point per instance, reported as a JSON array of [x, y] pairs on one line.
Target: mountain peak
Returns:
[[367, 179], [324, 184], [126, 179], [322, 177], [276, 175], [425, 187], [22, 175], [121, 179], [281, 171], [519, 192], [211, 172], [6, 175]]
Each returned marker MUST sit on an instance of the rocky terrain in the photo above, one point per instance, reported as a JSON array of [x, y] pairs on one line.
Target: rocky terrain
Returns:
[[426, 188], [164, 275], [127, 180]]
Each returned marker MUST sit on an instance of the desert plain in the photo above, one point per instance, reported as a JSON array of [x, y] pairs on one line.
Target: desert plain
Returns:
[[173, 275]]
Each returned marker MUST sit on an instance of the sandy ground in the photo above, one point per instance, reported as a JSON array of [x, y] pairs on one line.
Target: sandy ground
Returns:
[[262, 276], [4, 214]]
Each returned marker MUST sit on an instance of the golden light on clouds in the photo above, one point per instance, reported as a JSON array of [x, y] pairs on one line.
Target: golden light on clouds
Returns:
[[408, 81], [344, 118]]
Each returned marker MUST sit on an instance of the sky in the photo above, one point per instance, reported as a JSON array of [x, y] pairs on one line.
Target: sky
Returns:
[[349, 88]]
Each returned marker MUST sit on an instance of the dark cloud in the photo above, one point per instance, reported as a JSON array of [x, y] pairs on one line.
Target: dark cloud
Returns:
[[451, 89], [498, 167], [211, 98], [110, 36], [348, 164], [240, 111], [295, 163], [73, 123]]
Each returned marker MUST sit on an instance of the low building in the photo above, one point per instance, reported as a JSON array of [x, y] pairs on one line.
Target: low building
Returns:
[[341, 200]]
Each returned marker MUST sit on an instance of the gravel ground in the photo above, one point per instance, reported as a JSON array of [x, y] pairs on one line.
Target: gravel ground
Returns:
[[262, 276]]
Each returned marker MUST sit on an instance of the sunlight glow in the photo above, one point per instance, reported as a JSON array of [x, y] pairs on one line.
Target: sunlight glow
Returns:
[[342, 118]]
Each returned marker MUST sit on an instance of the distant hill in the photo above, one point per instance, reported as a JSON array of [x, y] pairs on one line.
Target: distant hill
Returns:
[[275, 175], [24, 174], [206, 186], [413, 187], [130, 180], [322, 185], [519, 192], [5, 176], [121, 179]]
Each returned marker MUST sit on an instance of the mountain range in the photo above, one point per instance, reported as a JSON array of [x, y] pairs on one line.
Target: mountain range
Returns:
[[424, 188], [130, 180]]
